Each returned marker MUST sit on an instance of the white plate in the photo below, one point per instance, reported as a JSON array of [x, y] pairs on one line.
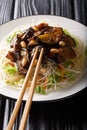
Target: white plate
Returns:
[[73, 27]]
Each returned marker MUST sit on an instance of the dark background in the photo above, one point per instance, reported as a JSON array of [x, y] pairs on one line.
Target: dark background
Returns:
[[67, 114]]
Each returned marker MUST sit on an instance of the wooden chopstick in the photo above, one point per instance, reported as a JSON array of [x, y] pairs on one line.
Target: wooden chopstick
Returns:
[[31, 92], [19, 101]]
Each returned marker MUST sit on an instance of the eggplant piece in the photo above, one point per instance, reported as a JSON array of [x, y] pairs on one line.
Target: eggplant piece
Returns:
[[14, 53], [16, 44], [69, 41], [49, 29], [11, 55], [52, 38], [49, 38], [62, 54], [29, 33], [17, 47], [66, 53]]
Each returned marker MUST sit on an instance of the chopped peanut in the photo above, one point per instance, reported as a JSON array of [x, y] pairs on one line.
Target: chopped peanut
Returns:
[[54, 50], [23, 44]]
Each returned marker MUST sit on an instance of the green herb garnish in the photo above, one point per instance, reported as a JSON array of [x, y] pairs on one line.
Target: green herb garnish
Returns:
[[39, 89], [69, 75], [10, 69]]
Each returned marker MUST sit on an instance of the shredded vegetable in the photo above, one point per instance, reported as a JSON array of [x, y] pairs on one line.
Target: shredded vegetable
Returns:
[[11, 70]]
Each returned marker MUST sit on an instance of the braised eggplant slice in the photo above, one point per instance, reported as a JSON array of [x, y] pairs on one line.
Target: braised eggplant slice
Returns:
[[52, 37]]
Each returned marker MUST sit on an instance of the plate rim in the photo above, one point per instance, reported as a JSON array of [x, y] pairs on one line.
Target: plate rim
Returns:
[[52, 100], [43, 15]]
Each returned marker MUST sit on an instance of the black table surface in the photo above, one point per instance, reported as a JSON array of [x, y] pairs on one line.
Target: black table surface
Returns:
[[67, 114]]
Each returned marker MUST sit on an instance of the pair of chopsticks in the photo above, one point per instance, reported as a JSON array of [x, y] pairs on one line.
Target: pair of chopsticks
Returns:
[[30, 95]]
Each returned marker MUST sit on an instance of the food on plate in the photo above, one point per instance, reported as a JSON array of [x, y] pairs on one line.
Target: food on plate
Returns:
[[62, 62]]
